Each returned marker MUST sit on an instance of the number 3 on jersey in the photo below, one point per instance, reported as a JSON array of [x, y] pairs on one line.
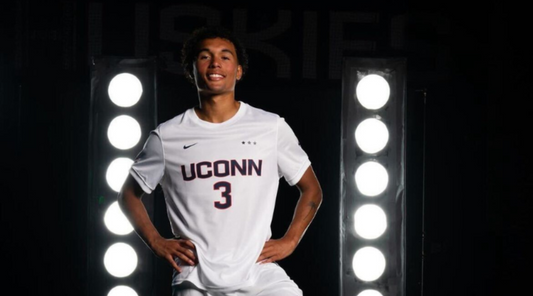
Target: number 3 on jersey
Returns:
[[225, 188]]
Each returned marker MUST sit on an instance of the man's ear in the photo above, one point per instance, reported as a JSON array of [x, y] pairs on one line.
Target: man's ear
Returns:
[[239, 72]]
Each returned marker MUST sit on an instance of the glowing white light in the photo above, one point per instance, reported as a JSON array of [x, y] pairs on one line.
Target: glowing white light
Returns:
[[120, 260], [369, 293], [124, 132], [371, 135], [117, 172], [122, 291], [373, 91], [370, 221], [116, 221], [125, 90], [368, 264], [371, 178]]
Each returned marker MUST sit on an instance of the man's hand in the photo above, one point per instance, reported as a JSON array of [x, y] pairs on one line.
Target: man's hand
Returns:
[[276, 250], [169, 249]]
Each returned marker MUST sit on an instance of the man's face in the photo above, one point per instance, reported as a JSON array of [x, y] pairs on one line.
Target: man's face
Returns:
[[216, 69]]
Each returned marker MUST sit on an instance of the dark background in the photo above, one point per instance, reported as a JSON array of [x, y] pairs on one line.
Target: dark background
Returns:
[[470, 169]]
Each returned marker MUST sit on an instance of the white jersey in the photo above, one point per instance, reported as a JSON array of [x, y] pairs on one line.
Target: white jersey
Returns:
[[220, 182]]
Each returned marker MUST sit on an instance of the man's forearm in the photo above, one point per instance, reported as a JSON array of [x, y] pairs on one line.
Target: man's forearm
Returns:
[[134, 209], [306, 209]]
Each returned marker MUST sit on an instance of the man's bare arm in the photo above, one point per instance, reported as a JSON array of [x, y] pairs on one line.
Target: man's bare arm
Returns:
[[306, 208], [129, 200]]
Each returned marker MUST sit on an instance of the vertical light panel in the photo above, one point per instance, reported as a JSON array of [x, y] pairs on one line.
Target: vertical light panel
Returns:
[[122, 112], [372, 201]]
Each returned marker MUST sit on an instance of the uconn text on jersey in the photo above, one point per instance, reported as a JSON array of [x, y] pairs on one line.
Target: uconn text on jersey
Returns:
[[222, 168]]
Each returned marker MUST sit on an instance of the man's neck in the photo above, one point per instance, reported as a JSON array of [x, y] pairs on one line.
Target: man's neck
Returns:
[[217, 109]]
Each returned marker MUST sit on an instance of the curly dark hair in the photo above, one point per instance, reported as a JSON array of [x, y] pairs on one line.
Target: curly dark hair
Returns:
[[190, 48]]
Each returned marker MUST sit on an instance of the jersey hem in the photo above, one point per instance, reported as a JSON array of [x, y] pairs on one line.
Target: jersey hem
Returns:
[[202, 287]]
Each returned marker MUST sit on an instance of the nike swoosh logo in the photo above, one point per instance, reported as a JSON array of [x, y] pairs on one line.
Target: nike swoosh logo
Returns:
[[188, 146]]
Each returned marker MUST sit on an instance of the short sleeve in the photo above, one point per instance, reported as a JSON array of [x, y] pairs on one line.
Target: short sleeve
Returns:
[[292, 159], [149, 166]]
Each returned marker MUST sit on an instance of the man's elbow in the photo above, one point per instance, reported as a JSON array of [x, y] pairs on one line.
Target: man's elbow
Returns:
[[315, 195], [318, 197]]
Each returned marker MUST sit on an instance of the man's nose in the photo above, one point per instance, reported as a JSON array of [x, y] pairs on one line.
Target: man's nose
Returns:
[[215, 62]]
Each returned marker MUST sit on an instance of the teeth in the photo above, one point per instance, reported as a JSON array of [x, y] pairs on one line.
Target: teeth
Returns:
[[215, 75]]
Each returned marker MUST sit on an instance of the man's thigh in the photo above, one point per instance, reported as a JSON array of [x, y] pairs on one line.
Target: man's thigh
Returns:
[[272, 280], [187, 289]]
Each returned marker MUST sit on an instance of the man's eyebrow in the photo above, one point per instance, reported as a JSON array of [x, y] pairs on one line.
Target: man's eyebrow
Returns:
[[223, 50]]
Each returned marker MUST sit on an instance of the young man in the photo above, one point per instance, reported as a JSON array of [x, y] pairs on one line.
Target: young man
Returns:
[[219, 166]]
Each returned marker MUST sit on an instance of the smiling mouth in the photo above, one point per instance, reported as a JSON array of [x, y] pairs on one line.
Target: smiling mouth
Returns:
[[215, 76]]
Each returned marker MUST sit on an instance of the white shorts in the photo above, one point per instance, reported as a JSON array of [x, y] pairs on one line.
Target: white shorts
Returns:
[[272, 280]]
